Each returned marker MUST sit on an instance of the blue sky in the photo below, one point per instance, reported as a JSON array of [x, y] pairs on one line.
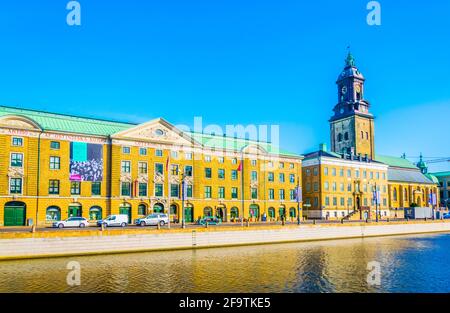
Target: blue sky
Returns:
[[235, 62]]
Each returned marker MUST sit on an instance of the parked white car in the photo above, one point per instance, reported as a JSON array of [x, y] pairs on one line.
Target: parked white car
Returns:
[[80, 222], [114, 220], [153, 220]]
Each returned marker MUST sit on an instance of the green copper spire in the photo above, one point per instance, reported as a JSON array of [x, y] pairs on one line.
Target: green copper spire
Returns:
[[350, 61], [422, 165]]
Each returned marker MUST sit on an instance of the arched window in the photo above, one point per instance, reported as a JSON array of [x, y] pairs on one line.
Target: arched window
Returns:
[[234, 212], [271, 212], [53, 214], [142, 209], [282, 212], [394, 194], [207, 212], [339, 138], [362, 135], [367, 135], [158, 208], [346, 136], [292, 212], [254, 210], [95, 213], [173, 209]]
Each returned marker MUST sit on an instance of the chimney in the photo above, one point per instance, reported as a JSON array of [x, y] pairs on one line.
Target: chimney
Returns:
[[323, 147]]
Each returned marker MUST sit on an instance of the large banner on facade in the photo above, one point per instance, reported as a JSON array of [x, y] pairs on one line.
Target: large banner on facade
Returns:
[[86, 162]]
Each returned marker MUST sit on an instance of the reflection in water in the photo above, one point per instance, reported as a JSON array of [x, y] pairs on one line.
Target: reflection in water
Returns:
[[408, 264]]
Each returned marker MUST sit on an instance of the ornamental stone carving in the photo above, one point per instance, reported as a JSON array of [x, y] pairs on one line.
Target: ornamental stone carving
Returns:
[[159, 178], [15, 172], [143, 178], [125, 177]]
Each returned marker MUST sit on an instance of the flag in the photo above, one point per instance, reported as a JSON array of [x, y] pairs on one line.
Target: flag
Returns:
[[167, 164], [298, 194], [240, 167]]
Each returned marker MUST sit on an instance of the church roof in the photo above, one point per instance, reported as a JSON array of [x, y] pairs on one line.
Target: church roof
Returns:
[[441, 174], [395, 161], [408, 176]]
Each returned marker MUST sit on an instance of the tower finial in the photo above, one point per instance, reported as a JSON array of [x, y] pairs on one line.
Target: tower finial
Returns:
[[350, 60]]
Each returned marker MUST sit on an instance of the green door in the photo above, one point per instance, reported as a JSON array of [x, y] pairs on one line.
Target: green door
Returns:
[[15, 215], [126, 211], [74, 211], [188, 215]]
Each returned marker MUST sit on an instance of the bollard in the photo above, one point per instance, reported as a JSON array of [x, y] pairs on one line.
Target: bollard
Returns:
[[342, 221], [158, 226], [33, 228], [183, 224], [102, 227], [206, 224], [314, 221], [248, 223]]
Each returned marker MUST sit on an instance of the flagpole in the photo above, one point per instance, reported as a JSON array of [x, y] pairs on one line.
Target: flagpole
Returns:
[[242, 187], [168, 189]]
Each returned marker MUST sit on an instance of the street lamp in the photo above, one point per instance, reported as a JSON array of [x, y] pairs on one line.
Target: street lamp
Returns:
[[183, 193]]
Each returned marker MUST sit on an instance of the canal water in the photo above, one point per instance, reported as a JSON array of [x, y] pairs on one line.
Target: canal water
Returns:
[[417, 263]]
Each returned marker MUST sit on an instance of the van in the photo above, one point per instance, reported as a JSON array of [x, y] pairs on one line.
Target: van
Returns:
[[114, 220]]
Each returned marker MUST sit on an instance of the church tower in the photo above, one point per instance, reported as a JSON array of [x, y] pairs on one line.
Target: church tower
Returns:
[[352, 125]]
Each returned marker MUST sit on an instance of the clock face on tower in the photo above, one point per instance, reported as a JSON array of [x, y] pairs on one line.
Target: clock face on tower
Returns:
[[344, 90], [358, 88]]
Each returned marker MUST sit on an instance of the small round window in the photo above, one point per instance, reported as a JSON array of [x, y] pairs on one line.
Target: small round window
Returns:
[[159, 132]]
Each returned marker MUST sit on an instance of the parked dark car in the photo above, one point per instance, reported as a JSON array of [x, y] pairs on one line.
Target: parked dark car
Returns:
[[210, 219]]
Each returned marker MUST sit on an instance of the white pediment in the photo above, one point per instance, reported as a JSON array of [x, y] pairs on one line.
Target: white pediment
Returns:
[[19, 122], [157, 131]]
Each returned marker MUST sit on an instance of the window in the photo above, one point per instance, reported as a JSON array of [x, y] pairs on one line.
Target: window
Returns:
[[96, 188], [188, 156], [349, 202], [75, 188], [271, 194], [234, 193], [341, 187], [126, 150], [364, 174], [384, 175], [334, 201], [270, 177], [308, 172], [234, 174], [207, 158], [281, 165], [142, 209], [142, 167], [125, 189], [55, 163], [158, 153], [253, 162], [291, 166], [174, 190], [221, 173], [326, 186], [159, 190], [53, 214], [281, 177], [357, 173], [221, 160], [308, 187], [377, 175], [292, 194], [270, 164], [327, 201], [234, 161], [208, 192], [159, 169], [334, 186], [281, 193], [16, 159], [208, 172], [254, 176], [142, 190], [53, 187], [316, 202], [221, 192], [342, 201], [371, 175], [349, 173], [189, 191], [292, 178], [346, 136], [174, 154], [142, 151], [254, 193], [188, 170], [339, 137], [17, 142], [316, 171], [126, 167], [174, 170], [333, 172], [325, 171], [341, 172], [55, 145]]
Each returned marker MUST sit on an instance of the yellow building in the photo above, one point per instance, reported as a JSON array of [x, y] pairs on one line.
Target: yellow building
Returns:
[[400, 183], [54, 166], [343, 186]]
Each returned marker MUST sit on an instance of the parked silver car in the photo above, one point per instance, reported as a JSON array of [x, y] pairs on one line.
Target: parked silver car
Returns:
[[153, 220], [80, 222]]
